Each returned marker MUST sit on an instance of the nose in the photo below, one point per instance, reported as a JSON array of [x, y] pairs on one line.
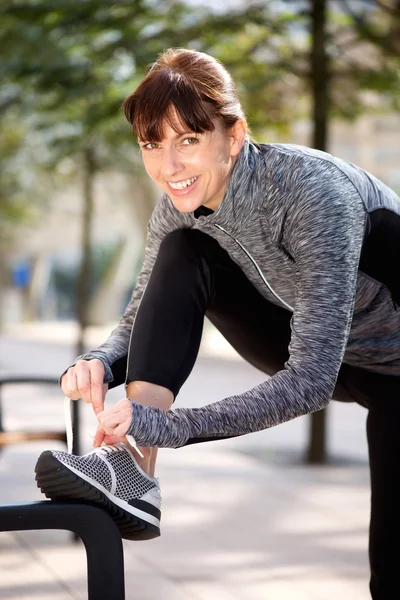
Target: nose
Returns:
[[171, 163]]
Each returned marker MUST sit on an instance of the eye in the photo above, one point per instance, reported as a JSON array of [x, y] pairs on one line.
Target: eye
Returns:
[[190, 141], [150, 146]]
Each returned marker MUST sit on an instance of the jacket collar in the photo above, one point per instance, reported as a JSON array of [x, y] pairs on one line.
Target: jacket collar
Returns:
[[245, 182]]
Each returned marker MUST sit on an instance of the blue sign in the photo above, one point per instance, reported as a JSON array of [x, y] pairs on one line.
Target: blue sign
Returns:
[[21, 274]]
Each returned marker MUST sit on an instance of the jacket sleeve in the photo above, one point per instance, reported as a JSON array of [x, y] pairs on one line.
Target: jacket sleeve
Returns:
[[113, 352], [324, 229]]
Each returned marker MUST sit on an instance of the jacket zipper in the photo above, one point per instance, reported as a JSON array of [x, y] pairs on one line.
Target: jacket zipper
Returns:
[[286, 305]]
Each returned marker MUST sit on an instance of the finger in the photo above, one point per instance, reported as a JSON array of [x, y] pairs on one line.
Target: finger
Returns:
[[110, 421], [124, 404], [70, 386], [122, 428], [99, 436], [83, 380], [98, 388], [64, 385], [113, 439], [105, 390]]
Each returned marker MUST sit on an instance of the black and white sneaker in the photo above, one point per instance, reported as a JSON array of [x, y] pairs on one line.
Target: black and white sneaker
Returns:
[[108, 476]]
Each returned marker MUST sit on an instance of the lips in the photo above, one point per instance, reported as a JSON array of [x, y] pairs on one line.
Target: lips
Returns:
[[182, 191], [181, 185]]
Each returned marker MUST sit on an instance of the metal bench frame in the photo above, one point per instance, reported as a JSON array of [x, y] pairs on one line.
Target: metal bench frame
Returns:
[[97, 530]]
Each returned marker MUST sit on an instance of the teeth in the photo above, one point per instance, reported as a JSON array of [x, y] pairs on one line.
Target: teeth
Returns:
[[182, 184]]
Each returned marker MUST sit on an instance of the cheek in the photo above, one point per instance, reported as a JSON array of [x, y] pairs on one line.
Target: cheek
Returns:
[[221, 166], [215, 163], [220, 158]]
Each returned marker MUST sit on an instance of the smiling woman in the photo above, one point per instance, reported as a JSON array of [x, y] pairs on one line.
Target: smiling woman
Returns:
[[194, 171], [292, 254], [190, 127]]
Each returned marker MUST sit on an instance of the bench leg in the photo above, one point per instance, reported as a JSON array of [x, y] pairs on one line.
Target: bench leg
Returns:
[[97, 530]]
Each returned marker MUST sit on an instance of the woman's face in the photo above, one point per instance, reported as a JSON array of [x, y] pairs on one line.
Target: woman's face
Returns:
[[194, 168]]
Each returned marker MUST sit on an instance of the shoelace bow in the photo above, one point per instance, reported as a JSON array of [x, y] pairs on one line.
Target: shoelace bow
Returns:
[[70, 432]]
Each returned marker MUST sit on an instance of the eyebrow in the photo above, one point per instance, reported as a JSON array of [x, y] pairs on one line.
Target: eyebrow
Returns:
[[175, 137], [188, 132]]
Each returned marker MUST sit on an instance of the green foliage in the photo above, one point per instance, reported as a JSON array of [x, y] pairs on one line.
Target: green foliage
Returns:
[[15, 178], [67, 65], [363, 52]]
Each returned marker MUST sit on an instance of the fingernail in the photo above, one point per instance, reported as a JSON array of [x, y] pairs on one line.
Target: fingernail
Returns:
[[97, 410]]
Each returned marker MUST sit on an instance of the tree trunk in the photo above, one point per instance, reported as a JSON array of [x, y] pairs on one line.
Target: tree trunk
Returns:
[[394, 32], [83, 283], [319, 75], [317, 450]]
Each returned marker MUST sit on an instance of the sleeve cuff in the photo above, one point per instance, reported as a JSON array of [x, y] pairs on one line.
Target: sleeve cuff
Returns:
[[108, 375]]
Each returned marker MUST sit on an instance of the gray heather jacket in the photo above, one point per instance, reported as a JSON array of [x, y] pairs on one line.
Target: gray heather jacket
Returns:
[[315, 234]]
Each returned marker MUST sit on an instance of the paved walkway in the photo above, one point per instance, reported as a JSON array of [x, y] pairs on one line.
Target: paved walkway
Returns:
[[241, 520]]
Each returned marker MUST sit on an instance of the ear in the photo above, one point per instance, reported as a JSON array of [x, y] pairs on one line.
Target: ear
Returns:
[[238, 136]]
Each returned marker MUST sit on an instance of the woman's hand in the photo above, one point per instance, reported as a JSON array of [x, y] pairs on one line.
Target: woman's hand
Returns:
[[113, 423], [85, 380]]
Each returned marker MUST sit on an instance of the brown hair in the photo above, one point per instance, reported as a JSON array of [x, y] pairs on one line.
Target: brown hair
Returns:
[[197, 85]]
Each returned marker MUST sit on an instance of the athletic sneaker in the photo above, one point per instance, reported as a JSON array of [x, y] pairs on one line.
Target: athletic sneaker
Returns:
[[108, 476]]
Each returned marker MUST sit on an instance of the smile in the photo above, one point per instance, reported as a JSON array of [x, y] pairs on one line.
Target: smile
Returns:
[[181, 185]]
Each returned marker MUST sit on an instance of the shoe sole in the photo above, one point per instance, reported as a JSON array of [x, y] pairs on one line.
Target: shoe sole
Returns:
[[58, 482]]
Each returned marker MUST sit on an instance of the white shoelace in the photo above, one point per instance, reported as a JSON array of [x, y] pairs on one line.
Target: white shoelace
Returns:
[[70, 433], [68, 424]]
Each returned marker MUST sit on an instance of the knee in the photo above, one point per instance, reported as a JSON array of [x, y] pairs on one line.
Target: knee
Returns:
[[184, 245], [180, 259], [187, 259]]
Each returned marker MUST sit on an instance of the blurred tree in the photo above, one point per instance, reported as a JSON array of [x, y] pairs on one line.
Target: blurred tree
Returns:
[[12, 207], [63, 70], [375, 27]]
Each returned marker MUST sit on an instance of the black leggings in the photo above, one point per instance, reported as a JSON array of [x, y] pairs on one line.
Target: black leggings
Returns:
[[193, 277]]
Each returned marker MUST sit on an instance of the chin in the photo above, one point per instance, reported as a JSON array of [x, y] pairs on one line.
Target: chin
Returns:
[[186, 207]]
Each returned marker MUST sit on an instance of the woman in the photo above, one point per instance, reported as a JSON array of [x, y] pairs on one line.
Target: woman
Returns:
[[291, 253]]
